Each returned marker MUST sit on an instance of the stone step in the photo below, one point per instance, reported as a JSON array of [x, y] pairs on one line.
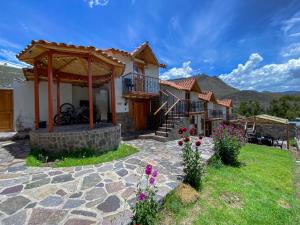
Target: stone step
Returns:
[[162, 133], [165, 129], [160, 138], [168, 125]]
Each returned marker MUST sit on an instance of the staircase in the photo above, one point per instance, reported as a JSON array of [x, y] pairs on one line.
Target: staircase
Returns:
[[171, 116]]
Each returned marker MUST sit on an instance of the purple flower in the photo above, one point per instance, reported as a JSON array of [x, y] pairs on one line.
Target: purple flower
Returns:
[[142, 196], [148, 169], [154, 174], [151, 180]]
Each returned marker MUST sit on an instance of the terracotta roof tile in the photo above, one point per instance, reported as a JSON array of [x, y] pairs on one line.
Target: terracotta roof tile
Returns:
[[187, 84], [225, 102], [206, 95], [171, 84]]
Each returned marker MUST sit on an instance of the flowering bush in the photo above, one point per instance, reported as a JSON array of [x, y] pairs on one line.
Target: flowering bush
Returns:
[[228, 140], [193, 166], [146, 208]]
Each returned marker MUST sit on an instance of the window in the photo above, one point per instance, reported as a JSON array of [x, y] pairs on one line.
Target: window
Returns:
[[138, 68]]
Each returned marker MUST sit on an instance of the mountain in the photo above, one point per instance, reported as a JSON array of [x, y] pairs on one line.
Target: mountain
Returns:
[[223, 90], [8, 75]]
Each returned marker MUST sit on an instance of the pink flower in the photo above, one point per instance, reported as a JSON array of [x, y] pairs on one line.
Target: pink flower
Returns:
[[154, 174], [142, 196], [180, 143], [151, 180], [148, 169]]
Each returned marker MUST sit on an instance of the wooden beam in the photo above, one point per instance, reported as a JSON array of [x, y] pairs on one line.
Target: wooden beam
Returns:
[[66, 64], [58, 98], [36, 97], [90, 88], [113, 97], [50, 97]]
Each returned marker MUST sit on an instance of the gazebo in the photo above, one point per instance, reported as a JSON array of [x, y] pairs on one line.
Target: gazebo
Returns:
[[78, 65]]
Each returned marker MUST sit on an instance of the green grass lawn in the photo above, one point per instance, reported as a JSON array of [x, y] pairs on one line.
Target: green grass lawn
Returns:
[[34, 159], [261, 191]]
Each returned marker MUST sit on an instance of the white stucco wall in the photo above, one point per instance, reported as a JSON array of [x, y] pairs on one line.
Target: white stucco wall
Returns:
[[179, 93], [24, 101]]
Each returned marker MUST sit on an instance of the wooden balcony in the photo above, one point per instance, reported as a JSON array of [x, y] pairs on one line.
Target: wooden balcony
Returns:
[[140, 86]]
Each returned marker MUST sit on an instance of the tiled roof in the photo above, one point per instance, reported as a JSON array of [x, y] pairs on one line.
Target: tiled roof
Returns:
[[8, 75], [206, 95], [171, 84], [187, 84], [64, 45], [225, 102]]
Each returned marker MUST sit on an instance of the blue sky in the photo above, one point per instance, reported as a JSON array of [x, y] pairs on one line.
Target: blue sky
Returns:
[[250, 44]]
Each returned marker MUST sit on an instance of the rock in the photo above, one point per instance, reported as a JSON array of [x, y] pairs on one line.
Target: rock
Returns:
[[38, 183], [84, 213], [105, 168], [186, 194], [61, 192], [46, 216], [38, 176], [111, 204], [62, 178], [51, 201], [122, 172], [31, 205], [119, 165], [114, 187], [90, 181], [128, 192], [132, 178], [73, 203], [75, 221], [76, 195], [13, 204], [83, 172], [16, 219], [96, 193], [53, 173], [117, 219], [16, 168], [11, 190]]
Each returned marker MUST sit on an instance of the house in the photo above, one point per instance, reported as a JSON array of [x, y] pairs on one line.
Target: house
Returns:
[[116, 86]]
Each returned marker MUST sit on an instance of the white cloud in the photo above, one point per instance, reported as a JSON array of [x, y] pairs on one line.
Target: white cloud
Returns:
[[8, 44], [93, 3], [7, 56], [182, 72], [291, 51], [271, 77]]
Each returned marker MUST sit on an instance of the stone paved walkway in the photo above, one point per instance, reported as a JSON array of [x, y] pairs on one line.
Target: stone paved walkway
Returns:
[[98, 194]]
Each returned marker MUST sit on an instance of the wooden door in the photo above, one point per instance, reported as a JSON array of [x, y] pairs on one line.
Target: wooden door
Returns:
[[141, 111], [6, 110]]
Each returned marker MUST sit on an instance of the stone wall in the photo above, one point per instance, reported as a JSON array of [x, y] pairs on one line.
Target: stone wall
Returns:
[[181, 122], [100, 139], [126, 122], [275, 130]]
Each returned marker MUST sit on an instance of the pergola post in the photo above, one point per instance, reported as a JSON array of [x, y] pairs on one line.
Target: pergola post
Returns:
[[58, 98], [50, 97], [36, 97], [113, 97], [90, 88], [287, 136]]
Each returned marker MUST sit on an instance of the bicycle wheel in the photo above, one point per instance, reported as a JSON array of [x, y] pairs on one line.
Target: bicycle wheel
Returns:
[[67, 107]]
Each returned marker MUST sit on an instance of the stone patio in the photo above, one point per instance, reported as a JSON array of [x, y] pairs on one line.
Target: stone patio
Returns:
[[97, 194]]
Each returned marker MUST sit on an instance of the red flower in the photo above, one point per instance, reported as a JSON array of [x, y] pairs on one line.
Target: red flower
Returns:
[[184, 129], [200, 137], [198, 143], [180, 131], [180, 143], [192, 131], [187, 139]]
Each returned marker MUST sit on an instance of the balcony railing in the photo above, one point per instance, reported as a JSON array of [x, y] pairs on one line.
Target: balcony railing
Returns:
[[134, 83], [214, 113]]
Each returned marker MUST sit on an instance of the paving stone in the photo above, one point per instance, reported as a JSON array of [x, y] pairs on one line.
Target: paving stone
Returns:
[[111, 204], [128, 192], [73, 203], [62, 178], [122, 172], [52, 201], [119, 165], [38, 183], [90, 181], [83, 172], [93, 203], [132, 178], [95, 193], [57, 172], [134, 161], [84, 213], [16, 219], [13, 204], [61, 192], [31, 205], [129, 166], [75, 221], [76, 195], [46, 216], [172, 185], [118, 218], [105, 168], [100, 185], [11, 190], [114, 187], [38, 176], [16, 168]]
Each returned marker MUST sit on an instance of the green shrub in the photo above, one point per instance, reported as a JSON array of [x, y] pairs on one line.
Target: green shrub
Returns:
[[228, 141], [193, 167]]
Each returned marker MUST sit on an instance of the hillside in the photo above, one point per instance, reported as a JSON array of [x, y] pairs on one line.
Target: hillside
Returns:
[[8, 75]]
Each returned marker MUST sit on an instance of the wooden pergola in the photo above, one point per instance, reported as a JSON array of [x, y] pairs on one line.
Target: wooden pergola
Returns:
[[78, 65]]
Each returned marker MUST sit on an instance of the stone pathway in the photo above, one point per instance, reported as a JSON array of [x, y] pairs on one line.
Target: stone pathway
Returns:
[[98, 194]]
